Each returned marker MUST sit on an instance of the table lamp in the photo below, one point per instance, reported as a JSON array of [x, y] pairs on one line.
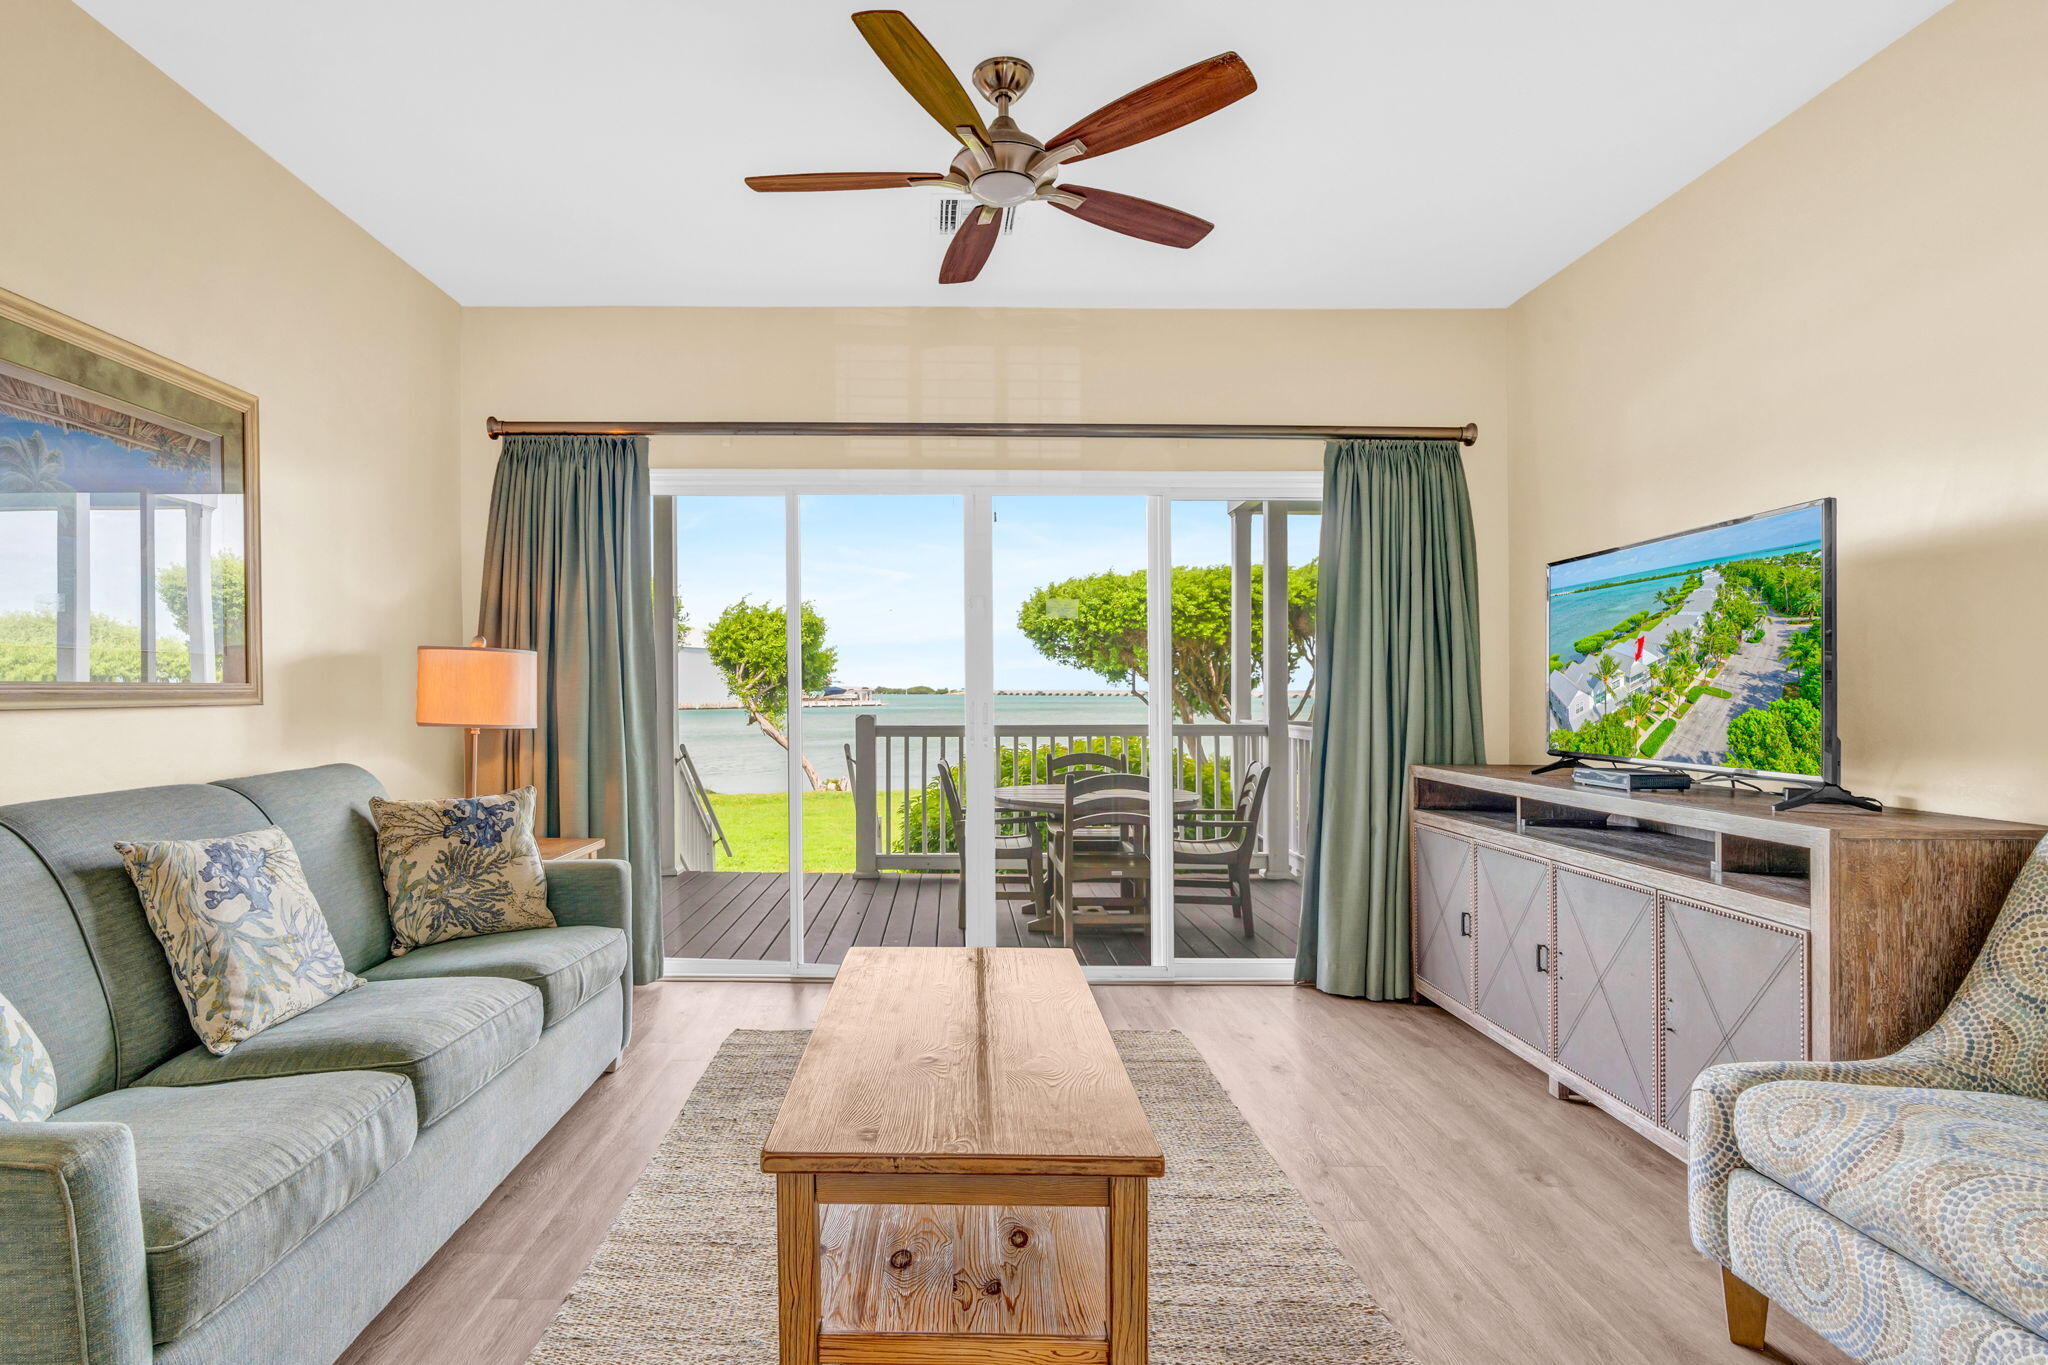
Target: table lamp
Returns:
[[478, 688]]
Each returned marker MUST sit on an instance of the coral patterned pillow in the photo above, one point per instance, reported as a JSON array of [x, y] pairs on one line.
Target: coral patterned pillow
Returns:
[[28, 1083], [247, 943], [458, 868]]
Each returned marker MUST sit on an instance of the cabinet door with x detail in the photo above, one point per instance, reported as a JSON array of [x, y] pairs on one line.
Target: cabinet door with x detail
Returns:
[[1607, 986], [1512, 901], [1734, 991]]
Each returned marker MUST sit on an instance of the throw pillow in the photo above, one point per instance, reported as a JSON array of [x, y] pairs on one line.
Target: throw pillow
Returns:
[[247, 943], [28, 1083], [460, 867]]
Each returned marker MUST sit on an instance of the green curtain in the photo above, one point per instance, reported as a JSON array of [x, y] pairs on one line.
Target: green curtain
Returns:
[[568, 573], [1397, 639]]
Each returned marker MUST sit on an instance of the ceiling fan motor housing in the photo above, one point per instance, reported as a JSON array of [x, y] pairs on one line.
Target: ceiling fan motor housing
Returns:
[[1010, 180]]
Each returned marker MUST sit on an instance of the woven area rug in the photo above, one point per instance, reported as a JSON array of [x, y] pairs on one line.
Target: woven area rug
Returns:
[[1242, 1274]]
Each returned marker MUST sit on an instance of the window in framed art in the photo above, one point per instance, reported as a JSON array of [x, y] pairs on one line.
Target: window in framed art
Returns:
[[129, 571]]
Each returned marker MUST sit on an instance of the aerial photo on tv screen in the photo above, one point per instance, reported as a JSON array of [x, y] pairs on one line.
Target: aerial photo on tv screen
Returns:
[[1703, 648]]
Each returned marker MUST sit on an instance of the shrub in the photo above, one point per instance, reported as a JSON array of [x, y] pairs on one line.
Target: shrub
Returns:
[[925, 826], [1655, 740]]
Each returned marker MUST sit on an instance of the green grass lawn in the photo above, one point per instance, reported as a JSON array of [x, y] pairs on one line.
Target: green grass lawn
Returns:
[[1704, 691], [757, 824], [1655, 739]]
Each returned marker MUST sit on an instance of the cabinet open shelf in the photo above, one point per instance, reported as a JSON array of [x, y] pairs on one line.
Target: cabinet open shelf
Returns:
[[1758, 866]]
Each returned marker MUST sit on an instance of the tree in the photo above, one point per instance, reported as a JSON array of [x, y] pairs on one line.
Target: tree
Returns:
[[28, 650], [1802, 651], [230, 597], [1783, 737], [29, 466], [1096, 623], [1607, 737], [1637, 709], [1607, 670], [749, 646]]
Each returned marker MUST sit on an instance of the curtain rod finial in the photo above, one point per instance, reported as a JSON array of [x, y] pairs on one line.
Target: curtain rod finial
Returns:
[[1467, 437], [494, 428]]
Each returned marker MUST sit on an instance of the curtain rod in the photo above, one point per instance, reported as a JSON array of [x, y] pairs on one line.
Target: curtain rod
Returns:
[[1464, 435]]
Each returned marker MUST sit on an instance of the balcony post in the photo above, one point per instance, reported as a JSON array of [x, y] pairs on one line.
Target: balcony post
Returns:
[[1280, 785], [864, 851], [1241, 611]]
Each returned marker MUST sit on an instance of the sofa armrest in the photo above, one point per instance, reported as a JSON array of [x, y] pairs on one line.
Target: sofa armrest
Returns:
[[597, 891], [74, 1286], [1714, 1157], [591, 891]]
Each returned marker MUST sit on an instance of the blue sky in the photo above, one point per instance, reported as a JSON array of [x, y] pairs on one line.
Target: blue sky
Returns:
[[28, 557], [1797, 527], [885, 571]]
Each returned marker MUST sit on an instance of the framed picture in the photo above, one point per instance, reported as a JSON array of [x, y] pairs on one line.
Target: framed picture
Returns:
[[129, 556]]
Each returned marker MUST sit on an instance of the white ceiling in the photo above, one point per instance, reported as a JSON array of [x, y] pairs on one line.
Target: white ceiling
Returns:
[[1398, 153]]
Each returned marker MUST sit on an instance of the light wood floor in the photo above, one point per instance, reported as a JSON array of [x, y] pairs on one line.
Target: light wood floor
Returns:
[[1494, 1223]]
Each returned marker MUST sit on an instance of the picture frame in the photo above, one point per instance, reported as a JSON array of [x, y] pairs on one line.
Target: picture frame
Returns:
[[130, 547]]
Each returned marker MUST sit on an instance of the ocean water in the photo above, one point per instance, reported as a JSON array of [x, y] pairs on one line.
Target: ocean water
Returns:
[[1580, 612], [733, 756]]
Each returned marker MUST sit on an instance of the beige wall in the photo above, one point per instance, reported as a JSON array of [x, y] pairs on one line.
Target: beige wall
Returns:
[[1850, 305], [1854, 304], [961, 364], [133, 208]]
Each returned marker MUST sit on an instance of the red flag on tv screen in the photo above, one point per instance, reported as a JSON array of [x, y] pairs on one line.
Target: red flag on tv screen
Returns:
[[1640, 639]]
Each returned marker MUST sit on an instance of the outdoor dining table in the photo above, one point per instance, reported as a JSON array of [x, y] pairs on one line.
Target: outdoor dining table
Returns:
[[1052, 797]]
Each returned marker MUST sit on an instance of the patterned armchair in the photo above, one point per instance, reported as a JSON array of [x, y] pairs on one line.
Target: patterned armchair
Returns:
[[1898, 1205]]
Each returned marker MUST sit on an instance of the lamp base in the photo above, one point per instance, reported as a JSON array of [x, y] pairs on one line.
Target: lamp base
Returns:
[[469, 761]]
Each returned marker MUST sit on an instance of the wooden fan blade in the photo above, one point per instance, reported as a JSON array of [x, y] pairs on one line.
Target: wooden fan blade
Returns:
[[918, 68], [1168, 103], [839, 180], [1135, 217], [972, 242]]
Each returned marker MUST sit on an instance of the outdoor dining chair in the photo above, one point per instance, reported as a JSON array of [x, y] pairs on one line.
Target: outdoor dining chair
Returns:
[[1213, 849], [1020, 850], [1086, 759], [1101, 841]]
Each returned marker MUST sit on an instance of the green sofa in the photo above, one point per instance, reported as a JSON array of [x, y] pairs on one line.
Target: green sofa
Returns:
[[264, 1206]]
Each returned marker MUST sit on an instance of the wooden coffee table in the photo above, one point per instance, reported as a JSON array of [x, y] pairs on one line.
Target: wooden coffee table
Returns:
[[960, 1169]]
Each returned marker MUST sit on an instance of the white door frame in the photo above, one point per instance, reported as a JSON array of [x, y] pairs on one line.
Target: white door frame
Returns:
[[976, 489]]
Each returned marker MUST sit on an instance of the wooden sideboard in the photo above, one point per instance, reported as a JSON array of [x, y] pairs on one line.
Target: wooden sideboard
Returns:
[[1621, 942]]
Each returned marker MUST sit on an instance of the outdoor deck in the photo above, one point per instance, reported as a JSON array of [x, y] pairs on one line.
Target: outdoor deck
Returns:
[[744, 916]]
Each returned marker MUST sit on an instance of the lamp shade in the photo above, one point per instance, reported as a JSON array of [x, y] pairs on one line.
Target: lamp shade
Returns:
[[478, 687]]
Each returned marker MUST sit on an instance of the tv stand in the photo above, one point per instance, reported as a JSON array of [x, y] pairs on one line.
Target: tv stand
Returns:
[[1558, 765], [1621, 941], [1826, 794]]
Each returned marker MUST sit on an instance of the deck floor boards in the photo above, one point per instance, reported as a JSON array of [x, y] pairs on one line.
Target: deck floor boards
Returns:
[[744, 917]]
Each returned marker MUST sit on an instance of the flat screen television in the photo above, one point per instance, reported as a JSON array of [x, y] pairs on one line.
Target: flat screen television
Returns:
[[1711, 649]]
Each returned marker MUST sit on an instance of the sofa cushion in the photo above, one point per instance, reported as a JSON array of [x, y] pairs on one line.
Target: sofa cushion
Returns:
[[28, 1083], [458, 867], [48, 972], [448, 1036], [232, 1177], [241, 930], [566, 965], [326, 811], [1954, 1181], [74, 837]]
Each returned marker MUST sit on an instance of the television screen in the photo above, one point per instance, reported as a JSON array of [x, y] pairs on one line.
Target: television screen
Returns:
[[1706, 649]]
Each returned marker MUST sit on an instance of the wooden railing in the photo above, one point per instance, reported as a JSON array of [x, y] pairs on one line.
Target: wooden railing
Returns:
[[899, 820]]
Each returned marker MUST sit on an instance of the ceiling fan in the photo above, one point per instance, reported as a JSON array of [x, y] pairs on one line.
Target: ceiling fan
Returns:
[[1001, 165]]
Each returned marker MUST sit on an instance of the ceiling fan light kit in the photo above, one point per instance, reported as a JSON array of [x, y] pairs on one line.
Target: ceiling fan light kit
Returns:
[[1000, 166]]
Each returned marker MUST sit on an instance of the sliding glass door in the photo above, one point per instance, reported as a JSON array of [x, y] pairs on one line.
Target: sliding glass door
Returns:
[[960, 735]]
